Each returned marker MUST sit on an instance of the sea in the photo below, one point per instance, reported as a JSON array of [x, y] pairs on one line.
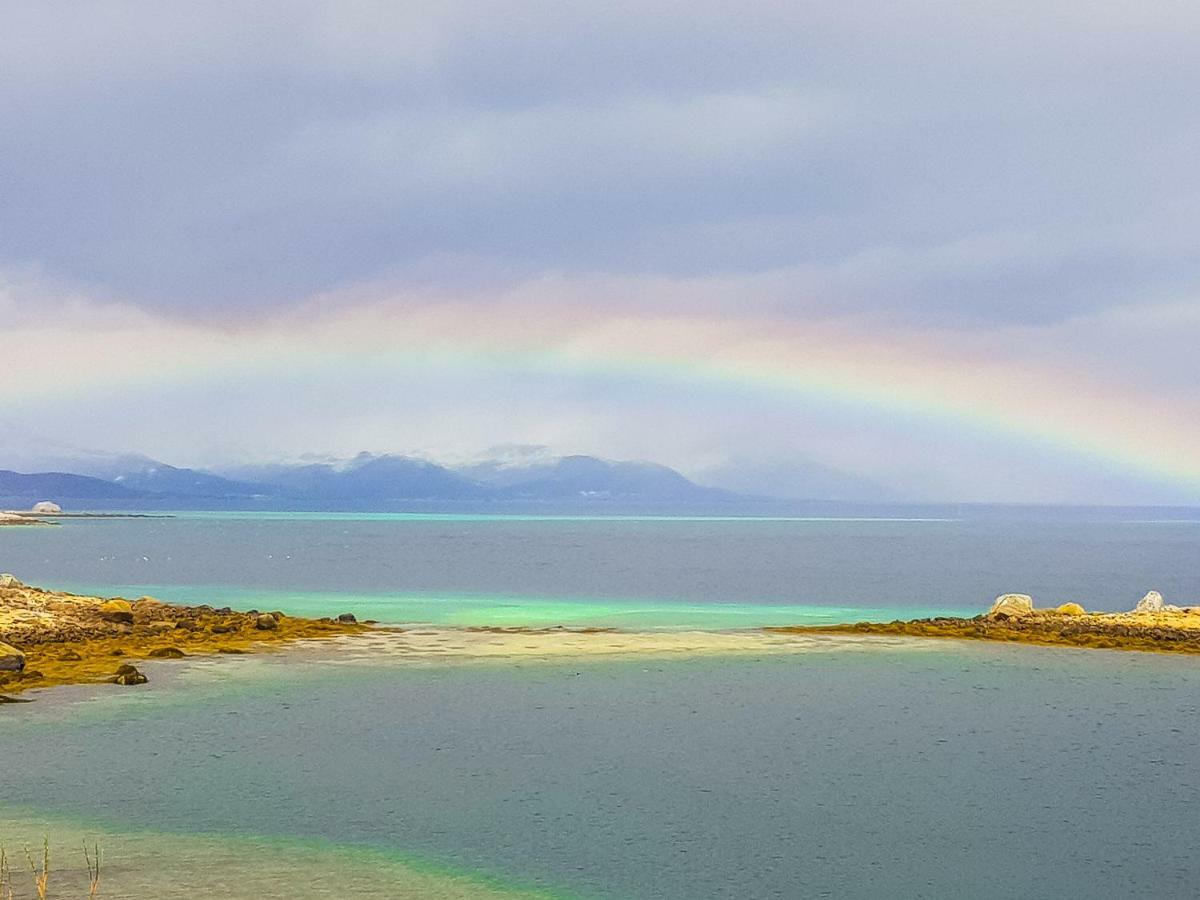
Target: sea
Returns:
[[479, 750]]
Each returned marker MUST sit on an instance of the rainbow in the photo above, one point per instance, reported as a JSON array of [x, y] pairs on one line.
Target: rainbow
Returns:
[[902, 376]]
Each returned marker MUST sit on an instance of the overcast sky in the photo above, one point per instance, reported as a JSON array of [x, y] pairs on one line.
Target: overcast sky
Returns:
[[459, 197]]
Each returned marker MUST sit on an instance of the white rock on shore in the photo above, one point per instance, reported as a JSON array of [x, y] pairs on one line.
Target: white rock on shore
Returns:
[[1011, 606], [1152, 602]]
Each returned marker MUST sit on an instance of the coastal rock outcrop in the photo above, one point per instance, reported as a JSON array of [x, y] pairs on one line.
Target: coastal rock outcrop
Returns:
[[128, 675], [167, 653], [117, 610], [266, 622], [11, 659], [47, 508], [1070, 609], [347, 618], [9, 581], [1011, 606], [1152, 602]]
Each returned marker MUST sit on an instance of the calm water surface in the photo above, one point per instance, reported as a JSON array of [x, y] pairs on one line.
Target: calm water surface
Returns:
[[723, 765], [921, 770]]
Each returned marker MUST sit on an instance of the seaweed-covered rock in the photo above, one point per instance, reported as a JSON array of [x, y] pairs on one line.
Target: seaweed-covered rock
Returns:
[[1152, 602], [11, 659], [1011, 606], [1071, 609], [167, 653], [347, 618], [118, 610], [266, 622], [129, 675]]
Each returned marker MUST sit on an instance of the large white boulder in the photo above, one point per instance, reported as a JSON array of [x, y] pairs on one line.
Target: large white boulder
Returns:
[[47, 508], [1152, 602], [1011, 606], [9, 581]]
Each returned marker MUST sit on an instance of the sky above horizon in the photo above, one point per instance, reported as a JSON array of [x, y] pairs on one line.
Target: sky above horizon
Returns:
[[913, 250]]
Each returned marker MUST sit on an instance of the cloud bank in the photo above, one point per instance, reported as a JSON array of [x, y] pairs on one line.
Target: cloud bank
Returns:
[[319, 226]]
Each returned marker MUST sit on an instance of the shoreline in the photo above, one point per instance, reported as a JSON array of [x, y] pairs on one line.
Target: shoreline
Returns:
[[1153, 632], [26, 517], [52, 638]]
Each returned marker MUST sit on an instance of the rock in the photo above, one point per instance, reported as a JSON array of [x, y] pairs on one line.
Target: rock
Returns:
[[11, 659], [1011, 606], [46, 508], [69, 656], [129, 675], [117, 610], [1071, 609], [1152, 602], [266, 622], [347, 618], [167, 653], [9, 581]]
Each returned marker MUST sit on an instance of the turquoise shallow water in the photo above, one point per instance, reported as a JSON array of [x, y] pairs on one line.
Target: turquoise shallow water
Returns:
[[446, 609], [919, 769]]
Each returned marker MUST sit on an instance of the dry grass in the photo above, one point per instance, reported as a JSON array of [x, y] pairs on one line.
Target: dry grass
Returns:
[[6, 888], [39, 870]]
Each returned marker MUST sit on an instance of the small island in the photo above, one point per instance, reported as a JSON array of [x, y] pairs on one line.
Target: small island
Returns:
[[1151, 626], [52, 638]]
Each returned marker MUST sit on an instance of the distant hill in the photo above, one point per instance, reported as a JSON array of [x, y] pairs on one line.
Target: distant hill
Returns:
[[19, 491], [367, 479], [590, 478], [141, 473]]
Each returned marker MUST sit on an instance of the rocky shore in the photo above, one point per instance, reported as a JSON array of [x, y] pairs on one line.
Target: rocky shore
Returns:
[[15, 518], [1150, 626], [51, 638]]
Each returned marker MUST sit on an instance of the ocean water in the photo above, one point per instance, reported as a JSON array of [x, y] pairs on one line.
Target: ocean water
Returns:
[[625, 572], [836, 768], [686, 756]]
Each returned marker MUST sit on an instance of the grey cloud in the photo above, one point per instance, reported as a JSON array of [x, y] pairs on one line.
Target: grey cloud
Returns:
[[913, 162]]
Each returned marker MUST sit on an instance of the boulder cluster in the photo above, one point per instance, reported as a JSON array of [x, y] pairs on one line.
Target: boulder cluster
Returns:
[[1016, 606]]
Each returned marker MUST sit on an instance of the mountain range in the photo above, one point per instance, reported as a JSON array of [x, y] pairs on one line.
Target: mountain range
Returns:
[[383, 482]]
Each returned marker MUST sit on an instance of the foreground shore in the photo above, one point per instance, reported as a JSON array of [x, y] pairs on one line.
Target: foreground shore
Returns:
[[1159, 631], [51, 638]]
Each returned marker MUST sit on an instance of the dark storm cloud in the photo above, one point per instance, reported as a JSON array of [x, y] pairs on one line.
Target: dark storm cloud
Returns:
[[911, 161]]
